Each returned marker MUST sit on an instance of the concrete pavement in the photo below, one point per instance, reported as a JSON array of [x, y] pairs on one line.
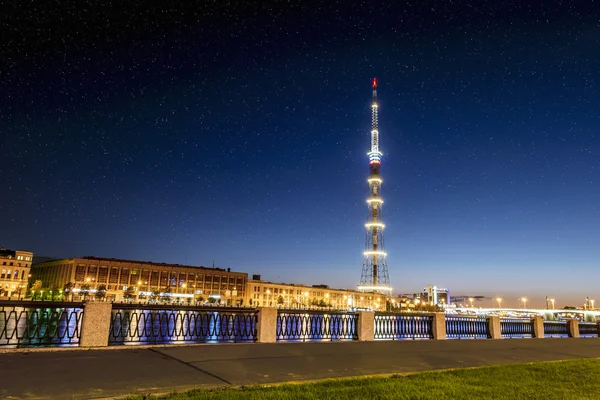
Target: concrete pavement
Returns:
[[85, 374]]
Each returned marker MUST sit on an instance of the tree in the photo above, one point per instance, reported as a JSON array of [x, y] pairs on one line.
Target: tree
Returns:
[[428, 307], [280, 300], [128, 293], [569, 308], [322, 303], [155, 295], [85, 289], [101, 292], [36, 287], [212, 300], [68, 290], [166, 294], [52, 290]]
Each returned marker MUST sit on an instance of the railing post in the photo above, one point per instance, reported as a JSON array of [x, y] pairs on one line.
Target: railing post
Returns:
[[266, 326], [366, 326], [439, 326], [573, 325], [538, 326], [494, 327], [96, 324]]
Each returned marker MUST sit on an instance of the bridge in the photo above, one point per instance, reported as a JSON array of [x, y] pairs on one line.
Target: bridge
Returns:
[[551, 315]]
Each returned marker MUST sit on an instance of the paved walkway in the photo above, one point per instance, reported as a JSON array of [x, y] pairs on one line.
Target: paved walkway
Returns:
[[85, 374]]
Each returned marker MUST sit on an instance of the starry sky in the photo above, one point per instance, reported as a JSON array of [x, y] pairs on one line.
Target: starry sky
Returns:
[[236, 133]]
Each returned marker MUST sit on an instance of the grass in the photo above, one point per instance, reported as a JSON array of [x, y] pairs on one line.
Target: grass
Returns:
[[578, 379]]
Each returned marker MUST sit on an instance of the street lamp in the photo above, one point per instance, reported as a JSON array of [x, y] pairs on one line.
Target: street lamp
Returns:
[[592, 304], [471, 301], [499, 300], [524, 300], [552, 301]]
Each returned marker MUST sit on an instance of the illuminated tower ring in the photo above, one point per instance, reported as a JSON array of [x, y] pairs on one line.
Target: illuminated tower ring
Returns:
[[374, 277]]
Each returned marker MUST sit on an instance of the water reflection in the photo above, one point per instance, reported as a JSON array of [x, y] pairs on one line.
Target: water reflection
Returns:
[[139, 326], [39, 326], [316, 327]]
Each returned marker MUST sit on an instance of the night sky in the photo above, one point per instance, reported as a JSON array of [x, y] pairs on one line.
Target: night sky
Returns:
[[238, 134]]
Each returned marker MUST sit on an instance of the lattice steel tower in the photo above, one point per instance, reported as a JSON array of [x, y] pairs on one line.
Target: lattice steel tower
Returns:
[[374, 277]]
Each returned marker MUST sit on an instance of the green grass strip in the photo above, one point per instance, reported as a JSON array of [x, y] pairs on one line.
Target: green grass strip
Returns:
[[578, 379]]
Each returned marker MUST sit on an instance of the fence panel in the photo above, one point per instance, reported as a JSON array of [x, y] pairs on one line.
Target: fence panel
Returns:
[[516, 328], [589, 329], [391, 326], [40, 323], [150, 324], [461, 327], [556, 329], [293, 325]]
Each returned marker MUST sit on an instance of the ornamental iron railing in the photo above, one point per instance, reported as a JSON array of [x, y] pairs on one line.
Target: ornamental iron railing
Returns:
[[40, 323], [151, 324], [589, 329], [295, 326], [516, 328], [461, 327], [391, 326], [556, 329]]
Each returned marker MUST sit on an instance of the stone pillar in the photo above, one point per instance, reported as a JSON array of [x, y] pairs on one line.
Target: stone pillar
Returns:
[[573, 328], [366, 326], [95, 325], [267, 324], [538, 327], [439, 326], [494, 328]]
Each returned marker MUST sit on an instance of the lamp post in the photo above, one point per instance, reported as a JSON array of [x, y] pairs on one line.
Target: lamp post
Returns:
[[552, 301], [471, 301], [499, 300], [524, 300], [592, 304]]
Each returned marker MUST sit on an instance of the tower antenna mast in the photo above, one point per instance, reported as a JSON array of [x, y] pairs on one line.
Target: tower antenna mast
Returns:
[[375, 277]]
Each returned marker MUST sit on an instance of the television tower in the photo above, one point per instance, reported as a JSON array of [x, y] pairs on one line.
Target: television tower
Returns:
[[374, 277]]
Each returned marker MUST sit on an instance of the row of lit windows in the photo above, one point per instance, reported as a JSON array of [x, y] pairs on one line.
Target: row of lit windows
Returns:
[[10, 264], [126, 276], [26, 258], [12, 275]]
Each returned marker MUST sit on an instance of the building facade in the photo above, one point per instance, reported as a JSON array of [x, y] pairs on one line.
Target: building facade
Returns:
[[147, 280], [260, 293], [15, 269], [434, 295]]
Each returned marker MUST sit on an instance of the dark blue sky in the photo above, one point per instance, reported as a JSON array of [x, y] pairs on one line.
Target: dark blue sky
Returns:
[[238, 133]]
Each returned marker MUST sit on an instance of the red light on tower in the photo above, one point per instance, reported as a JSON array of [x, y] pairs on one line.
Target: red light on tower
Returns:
[[374, 82]]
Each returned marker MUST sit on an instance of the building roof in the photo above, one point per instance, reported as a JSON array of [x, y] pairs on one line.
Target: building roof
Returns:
[[4, 252], [299, 285], [119, 260]]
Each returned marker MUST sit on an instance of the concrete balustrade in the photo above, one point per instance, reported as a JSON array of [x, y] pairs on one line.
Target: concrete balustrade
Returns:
[[538, 327], [366, 326], [573, 325], [494, 327], [267, 325], [96, 324], [439, 326]]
